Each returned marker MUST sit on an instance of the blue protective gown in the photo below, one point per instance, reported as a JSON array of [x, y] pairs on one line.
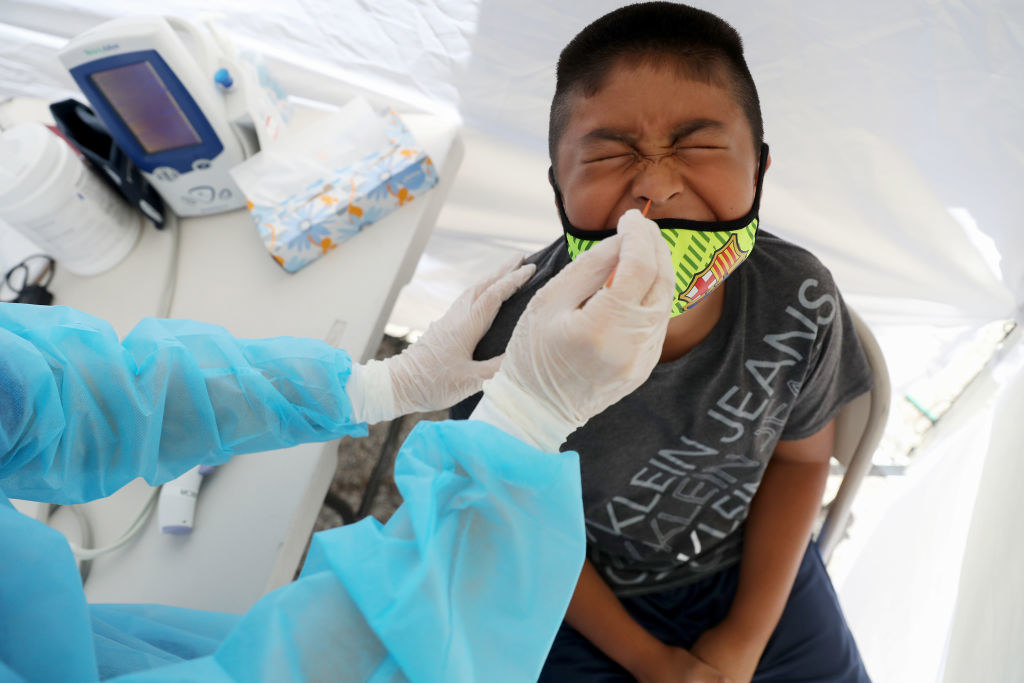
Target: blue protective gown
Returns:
[[467, 581]]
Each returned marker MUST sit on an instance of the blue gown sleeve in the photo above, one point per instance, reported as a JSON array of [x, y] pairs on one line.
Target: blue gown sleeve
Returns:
[[82, 413]]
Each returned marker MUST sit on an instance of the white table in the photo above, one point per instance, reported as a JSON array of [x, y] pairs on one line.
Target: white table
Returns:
[[254, 514]]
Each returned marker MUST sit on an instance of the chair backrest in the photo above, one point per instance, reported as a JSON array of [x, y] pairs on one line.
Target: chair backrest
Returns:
[[859, 428]]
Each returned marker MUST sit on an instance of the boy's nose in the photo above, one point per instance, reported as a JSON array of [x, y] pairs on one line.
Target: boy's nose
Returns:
[[658, 181]]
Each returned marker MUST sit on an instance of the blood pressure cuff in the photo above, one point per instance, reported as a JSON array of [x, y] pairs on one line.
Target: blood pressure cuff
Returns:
[[80, 126]]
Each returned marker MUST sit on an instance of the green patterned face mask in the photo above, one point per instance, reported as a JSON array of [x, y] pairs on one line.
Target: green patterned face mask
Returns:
[[704, 253]]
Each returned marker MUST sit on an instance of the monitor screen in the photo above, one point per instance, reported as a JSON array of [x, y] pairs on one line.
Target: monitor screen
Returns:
[[143, 102]]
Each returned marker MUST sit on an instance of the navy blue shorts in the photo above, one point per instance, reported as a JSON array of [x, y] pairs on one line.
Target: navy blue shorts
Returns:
[[811, 642]]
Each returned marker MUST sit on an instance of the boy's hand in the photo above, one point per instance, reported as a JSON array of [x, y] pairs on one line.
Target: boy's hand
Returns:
[[676, 665], [719, 648]]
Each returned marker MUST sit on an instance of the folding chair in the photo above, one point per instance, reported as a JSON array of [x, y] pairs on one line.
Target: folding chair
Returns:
[[859, 428]]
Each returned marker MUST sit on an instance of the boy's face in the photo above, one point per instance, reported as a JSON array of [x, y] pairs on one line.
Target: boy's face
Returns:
[[706, 168]]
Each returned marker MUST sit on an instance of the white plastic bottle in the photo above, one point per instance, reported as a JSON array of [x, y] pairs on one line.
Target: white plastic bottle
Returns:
[[50, 196]]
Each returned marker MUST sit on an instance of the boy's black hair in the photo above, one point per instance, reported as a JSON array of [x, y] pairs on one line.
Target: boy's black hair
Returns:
[[645, 33]]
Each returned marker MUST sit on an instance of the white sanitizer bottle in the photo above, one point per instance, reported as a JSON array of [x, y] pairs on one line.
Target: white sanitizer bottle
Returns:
[[49, 195]]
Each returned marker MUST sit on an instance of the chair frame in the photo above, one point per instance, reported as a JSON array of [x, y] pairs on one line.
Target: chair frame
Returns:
[[859, 428]]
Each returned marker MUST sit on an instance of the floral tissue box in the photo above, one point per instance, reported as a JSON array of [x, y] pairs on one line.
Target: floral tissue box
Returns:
[[331, 210]]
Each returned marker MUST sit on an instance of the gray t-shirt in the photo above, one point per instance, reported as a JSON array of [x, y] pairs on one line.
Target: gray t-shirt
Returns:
[[669, 471]]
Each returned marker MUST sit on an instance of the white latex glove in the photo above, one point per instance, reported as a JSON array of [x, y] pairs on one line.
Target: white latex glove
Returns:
[[578, 348], [438, 370]]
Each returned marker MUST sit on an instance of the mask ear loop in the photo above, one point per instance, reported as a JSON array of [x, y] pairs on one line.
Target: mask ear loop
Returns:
[[559, 203]]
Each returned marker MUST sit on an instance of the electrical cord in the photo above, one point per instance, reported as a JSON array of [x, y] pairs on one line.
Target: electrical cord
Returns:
[[84, 531], [84, 526], [172, 226], [86, 554]]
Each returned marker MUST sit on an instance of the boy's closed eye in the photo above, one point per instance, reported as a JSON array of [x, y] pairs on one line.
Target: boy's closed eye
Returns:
[[634, 155], [622, 155]]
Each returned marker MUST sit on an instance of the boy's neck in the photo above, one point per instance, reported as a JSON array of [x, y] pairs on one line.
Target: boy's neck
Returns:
[[689, 329]]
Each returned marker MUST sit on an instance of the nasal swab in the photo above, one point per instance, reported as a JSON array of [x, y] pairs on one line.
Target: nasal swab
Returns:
[[612, 276]]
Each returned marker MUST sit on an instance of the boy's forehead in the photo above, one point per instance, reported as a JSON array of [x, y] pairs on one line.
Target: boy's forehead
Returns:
[[643, 100]]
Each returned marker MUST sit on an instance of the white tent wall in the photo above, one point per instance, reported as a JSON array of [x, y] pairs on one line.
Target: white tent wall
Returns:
[[898, 155], [933, 544], [990, 609]]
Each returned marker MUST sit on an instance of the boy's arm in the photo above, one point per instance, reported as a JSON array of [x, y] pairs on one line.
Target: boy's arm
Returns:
[[777, 532], [598, 615]]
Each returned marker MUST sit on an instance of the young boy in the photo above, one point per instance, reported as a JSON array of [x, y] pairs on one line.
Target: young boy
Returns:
[[700, 489]]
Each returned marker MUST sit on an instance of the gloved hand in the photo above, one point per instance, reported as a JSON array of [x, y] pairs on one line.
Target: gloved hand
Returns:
[[438, 370], [578, 348]]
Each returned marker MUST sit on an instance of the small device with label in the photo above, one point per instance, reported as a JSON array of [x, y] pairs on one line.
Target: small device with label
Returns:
[[185, 114], [177, 507]]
